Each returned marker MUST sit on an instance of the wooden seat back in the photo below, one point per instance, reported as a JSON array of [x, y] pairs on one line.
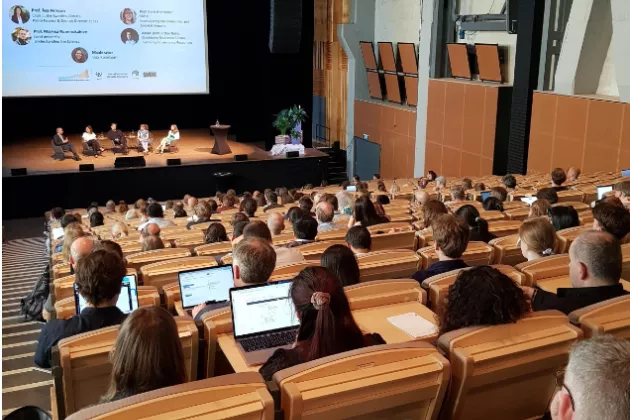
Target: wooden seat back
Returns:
[[544, 268], [190, 242], [162, 273], [424, 238], [519, 213], [507, 251], [287, 272], [214, 323], [570, 195], [283, 239], [214, 250], [393, 381], [384, 292], [388, 264], [386, 227], [137, 261], [86, 369], [502, 228], [609, 317], [236, 396], [314, 250], [509, 370], [60, 270], [625, 265], [477, 253], [331, 235], [566, 238], [491, 215]]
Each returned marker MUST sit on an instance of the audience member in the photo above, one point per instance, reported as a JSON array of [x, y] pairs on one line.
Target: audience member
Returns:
[[227, 203], [380, 211], [431, 210], [214, 207], [202, 213], [66, 219], [382, 199], [359, 240], [509, 181], [56, 213], [573, 174], [71, 232], [563, 217], [548, 194], [110, 246], [191, 203], [492, 204], [238, 217], [622, 192], [119, 230], [271, 198], [284, 256], [421, 197], [110, 207], [340, 260], [97, 219], [132, 214], [275, 223], [365, 214], [376, 177], [440, 184], [611, 218], [451, 240], [326, 323], [596, 382], [304, 231], [478, 226], [458, 194], [539, 208], [98, 280], [325, 214], [294, 214], [537, 238], [169, 204], [594, 270], [215, 233], [156, 215], [499, 193], [467, 184], [306, 205], [178, 210], [151, 229], [558, 177], [480, 186], [152, 242], [482, 296], [253, 261], [237, 232], [249, 207], [123, 208], [431, 176], [147, 355]]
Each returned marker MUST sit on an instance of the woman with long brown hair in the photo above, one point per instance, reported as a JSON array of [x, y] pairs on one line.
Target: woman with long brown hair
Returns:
[[147, 355], [326, 323]]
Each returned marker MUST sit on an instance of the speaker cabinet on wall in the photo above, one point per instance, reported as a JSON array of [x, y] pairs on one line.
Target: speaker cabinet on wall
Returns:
[[173, 162], [18, 172], [86, 167], [285, 28], [130, 162]]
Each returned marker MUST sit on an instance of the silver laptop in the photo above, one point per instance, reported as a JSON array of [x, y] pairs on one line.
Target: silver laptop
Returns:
[[264, 320], [127, 301], [205, 285]]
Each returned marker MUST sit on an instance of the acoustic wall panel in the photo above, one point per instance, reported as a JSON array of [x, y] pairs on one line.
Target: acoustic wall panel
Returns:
[[488, 63], [367, 50], [458, 58], [374, 85], [408, 58], [386, 54], [392, 87], [411, 89]]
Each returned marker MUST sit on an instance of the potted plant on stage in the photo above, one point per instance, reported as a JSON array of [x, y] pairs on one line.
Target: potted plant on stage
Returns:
[[283, 123], [297, 115]]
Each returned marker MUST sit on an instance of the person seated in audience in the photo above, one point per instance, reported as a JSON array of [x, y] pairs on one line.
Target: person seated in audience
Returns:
[[304, 231], [306, 205], [622, 192], [482, 296], [294, 214], [97, 219], [149, 230], [431, 210], [451, 240], [249, 207], [66, 220], [147, 355], [119, 230], [92, 208], [458, 194], [480, 186], [56, 213], [237, 231], [595, 383], [431, 176], [216, 233], [123, 208], [594, 270], [611, 218], [260, 199], [156, 215], [178, 210], [421, 197], [214, 207], [253, 261], [326, 323], [271, 200], [275, 223], [99, 278], [422, 183], [509, 181], [467, 184], [440, 184], [227, 203], [284, 256], [71, 233], [110, 246], [140, 204], [558, 177], [382, 199], [152, 242], [563, 217], [492, 204], [110, 207], [132, 214], [191, 202], [478, 226], [499, 193], [356, 180], [539, 208], [376, 177], [573, 174], [537, 238], [365, 214], [380, 211], [340, 260], [359, 240], [238, 217], [345, 202], [202, 213], [325, 213]]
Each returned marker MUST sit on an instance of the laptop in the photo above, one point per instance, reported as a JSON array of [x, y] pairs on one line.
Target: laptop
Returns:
[[264, 320], [603, 190], [625, 173], [485, 195], [127, 301], [205, 285]]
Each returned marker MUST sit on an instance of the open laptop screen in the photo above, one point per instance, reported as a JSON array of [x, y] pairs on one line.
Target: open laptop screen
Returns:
[[485, 195], [205, 285], [127, 301], [263, 308], [625, 173], [601, 191]]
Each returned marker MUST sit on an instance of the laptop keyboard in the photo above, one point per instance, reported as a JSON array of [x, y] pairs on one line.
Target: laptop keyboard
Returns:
[[268, 341]]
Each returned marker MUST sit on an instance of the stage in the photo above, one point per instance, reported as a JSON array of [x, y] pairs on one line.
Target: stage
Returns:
[[52, 183]]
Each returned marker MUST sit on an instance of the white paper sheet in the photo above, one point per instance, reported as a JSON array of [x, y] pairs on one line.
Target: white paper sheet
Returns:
[[413, 324]]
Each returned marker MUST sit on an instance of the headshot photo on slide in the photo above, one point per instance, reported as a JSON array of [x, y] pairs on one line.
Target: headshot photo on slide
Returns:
[[129, 36], [19, 15], [21, 36], [128, 16], [79, 55]]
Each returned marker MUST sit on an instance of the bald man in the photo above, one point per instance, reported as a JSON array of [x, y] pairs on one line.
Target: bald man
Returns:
[[275, 223], [151, 229], [152, 242], [421, 197], [594, 269], [325, 214]]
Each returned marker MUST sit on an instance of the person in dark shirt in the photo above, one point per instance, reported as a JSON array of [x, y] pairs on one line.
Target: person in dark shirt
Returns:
[[326, 323], [563, 217], [340, 260], [594, 270], [271, 198], [305, 231], [64, 143], [451, 240], [365, 214], [99, 278], [611, 218], [117, 137], [478, 226], [548, 194], [558, 177], [359, 240], [202, 214]]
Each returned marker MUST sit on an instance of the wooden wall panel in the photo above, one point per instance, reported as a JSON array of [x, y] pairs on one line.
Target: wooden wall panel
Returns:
[[394, 128], [590, 133]]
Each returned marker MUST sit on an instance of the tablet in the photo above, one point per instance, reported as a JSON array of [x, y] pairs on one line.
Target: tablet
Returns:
[[625, 173], [485, 195], [603, 190], [127, 301], [351, 188]]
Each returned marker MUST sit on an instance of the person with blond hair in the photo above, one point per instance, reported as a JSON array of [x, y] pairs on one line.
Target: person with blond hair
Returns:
[[173, 135], [539, 208], [119, 230], [537, 238]]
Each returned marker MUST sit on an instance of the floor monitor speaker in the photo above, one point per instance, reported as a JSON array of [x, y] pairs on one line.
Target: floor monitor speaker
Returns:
[[18, 172], [240, 158], [173, 162], [86, 167], [130, 162]]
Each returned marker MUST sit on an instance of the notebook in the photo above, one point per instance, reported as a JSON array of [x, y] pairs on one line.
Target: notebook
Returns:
[[413, 324]]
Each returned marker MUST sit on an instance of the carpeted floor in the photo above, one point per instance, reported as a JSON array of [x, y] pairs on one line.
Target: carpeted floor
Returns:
[[23, 261]]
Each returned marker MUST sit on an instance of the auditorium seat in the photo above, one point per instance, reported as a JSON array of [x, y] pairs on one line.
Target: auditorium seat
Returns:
[[331, 235], [384, 292], [162, 273], [514, 205], [399, 238], [507, 251], [502, 228], [424, 238], [147, 296], [214, 323], [477, 253], [81, 366], [140, 259], [521, 193], [519, 213], [393, 381], [388, 264], [506, 371], [566, 238], [213, 250], [570, 195], [289, 271], [491, 215], [190, 242], [625, 266], [608, 317], [283, 239], [236, 396], [455, 206], [577, 205], [314, 250], [60, 270], [544, 269], [437, 286]]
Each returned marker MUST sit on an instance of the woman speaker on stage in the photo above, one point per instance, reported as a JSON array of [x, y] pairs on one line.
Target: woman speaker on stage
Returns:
[[145, 138], [173, 135], [89, 139]]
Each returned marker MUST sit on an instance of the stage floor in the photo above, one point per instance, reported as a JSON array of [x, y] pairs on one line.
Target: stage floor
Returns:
[[194, 148]]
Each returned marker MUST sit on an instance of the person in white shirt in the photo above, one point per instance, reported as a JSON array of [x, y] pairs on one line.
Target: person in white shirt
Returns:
[[156, 215], [89, 138], [173, 135], [145, 138]]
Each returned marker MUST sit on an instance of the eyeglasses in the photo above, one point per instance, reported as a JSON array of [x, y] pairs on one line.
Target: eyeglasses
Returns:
[[560, 384]]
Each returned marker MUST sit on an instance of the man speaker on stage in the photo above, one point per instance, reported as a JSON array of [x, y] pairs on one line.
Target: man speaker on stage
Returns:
[[117, 137], [64, 143]]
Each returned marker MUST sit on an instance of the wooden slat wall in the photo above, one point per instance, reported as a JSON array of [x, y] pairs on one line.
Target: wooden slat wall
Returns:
[[330, 65]]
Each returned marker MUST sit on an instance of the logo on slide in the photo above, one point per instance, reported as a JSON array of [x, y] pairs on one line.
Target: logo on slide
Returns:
[[83, 76], [135, 74], [99, 75]]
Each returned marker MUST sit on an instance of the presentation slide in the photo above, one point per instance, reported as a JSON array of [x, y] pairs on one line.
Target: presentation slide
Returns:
[[113, 47]]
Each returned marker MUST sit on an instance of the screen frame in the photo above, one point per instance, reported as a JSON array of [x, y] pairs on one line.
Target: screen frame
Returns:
[[179, 283]]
